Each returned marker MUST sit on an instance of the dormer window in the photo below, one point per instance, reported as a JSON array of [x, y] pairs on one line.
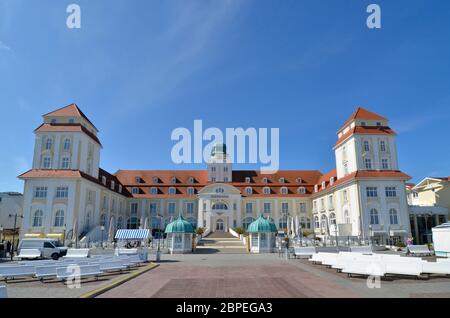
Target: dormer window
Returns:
[[363, 123], [113, 185], [299, 180], [316, 188], [248, 190], [265, 180], [120, 188], [104, 180], [190, 190], [284, 190], [323, 184], [135, 190], [247, 179], [173, 180], [153, 190], [378, 123], [191, 180], [155, 180], [281, 180], [331, 180], [53, 121], [137, 179], [71, 121], [266, 190], [172, 190], [301, 190]]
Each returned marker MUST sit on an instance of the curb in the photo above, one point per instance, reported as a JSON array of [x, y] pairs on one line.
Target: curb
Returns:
[[94, 293]]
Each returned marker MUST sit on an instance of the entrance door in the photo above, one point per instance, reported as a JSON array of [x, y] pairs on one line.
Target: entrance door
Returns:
[[219, 225]]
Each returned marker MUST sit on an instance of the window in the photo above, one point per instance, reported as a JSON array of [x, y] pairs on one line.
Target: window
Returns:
[[46, 163], [65, 163], [266, 190], [284, 207], [393, 217], [219, 206], [59, 218], [153, 208], [267, 207], [382, 146], [225, 179], [62, 192], [189, 208], [345, 166], [103, 220], [119, 223], [71, 120], [190, 190], [284, 190], [371, 192], [301, 190], [265, 180], [67, 144], [249, 207], [391, 192], [105, 202], [37, 218], [174, 180], [333, 219], [48, 144], [213, 179], [103, 180], [384, 164], [153, 190], [155, 179], [331, 181], [322, 204], [113, 185], [90, 193], [247, 221], [53, 121], [133, 208], [324, 223], [204, 206], [191, 180], [316, 188], [368, 163], [133, 223], [281, 180], [282, 223], [220, 190], [135, 190], [345, 195], [378, 123], [225, 169], [330, 202], [316, 222], [171, 208], [299, 180], [363, 123], [305, 223], [248, 190], [366, 146], [213, 169], [172, 190], [374, 216], [120, 188], [40, 192], [302, 207], [137, 180], [323, 184], [346, 217], [247, 179], [315, 206]]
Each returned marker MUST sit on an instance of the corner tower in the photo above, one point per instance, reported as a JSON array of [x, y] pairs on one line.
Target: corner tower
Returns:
[[219, 165]]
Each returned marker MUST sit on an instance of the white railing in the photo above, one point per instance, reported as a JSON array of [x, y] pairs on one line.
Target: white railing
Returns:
[[233, 232]]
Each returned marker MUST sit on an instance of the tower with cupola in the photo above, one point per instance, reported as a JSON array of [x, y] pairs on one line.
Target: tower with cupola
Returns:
[[219, 165]]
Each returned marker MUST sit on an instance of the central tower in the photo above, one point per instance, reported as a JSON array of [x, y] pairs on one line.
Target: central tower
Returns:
[[219, 165]]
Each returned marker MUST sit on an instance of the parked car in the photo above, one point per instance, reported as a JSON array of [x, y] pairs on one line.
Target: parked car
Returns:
[[50, 248]]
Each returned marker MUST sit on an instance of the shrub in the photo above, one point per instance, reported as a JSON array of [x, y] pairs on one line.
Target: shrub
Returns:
[[200, 231], [400, 244], [240, 230], [306, 233]]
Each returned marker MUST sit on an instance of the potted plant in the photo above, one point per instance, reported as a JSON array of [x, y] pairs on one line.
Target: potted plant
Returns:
[[400, 246], [199, 231]]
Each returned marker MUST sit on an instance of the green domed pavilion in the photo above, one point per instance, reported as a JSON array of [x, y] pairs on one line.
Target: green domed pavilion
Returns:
[[179, 236], [262, 235]]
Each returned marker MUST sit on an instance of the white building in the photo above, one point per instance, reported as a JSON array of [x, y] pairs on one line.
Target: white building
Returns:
[[66, 191], [11, 204]]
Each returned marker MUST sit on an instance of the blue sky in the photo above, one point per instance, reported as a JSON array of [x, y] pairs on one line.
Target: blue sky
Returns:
[[141, 68]]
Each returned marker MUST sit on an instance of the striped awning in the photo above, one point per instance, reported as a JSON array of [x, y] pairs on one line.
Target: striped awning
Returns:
[[139, 234]]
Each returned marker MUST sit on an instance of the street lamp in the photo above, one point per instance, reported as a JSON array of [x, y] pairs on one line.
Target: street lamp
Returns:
[[14, 231], [103, 229]]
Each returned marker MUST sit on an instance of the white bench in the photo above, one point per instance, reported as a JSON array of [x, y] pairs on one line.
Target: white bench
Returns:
[[419, 250], [306, 252], [321, 256], [365, 267], [345, 258], [112, 266], [65, 273], [3, 292], [30, 253], [46, 271], [442, 268], [126, 251], [14, 271], [77, 253], [407, 267], [361, 249]]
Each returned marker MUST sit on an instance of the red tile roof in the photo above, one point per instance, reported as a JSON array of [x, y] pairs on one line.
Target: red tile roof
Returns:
[[71, 110], [66, 127], [366, 130], [362, 113]]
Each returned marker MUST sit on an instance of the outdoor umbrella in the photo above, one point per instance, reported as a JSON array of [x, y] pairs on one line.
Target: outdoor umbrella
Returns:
[[111, 229], [292, 227], [146, 223], [141, 223], [297, 232], [75, 230]]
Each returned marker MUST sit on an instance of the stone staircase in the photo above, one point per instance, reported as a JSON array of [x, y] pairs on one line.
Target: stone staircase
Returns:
[[221, 242]]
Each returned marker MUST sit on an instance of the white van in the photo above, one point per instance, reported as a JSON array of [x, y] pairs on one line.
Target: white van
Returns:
[[49, 247]]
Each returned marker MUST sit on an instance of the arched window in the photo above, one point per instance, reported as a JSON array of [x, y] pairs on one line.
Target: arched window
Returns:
[[301, 190], [393, 216], [248, 190], [374, 216], [284, 190], [219, 206], [247, 221], [190, 190], [37, 218], [266, 190], [316, 222], [133, 223], [347, 217], [220, 190], [59, 218], [67, 144], [135, 190], [119, 223], [324, 222], [153, 190], [333, 218], [103, 220], [48, 143], [172, 190]]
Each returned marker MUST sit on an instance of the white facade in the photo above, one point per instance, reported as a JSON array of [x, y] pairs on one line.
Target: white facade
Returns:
[[11, 203]]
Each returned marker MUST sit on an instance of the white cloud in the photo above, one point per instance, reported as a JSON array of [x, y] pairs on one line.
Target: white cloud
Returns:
[[3, 46]]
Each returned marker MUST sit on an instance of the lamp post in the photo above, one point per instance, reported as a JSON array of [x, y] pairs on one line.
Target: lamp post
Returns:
[[103, 229], [14, 232], [158, 251]]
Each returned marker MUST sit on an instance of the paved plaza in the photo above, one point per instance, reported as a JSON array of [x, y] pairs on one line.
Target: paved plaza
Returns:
[[248, 276]]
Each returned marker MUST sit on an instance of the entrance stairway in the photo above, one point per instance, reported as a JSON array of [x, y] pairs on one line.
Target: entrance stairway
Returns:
[[221, 242]]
